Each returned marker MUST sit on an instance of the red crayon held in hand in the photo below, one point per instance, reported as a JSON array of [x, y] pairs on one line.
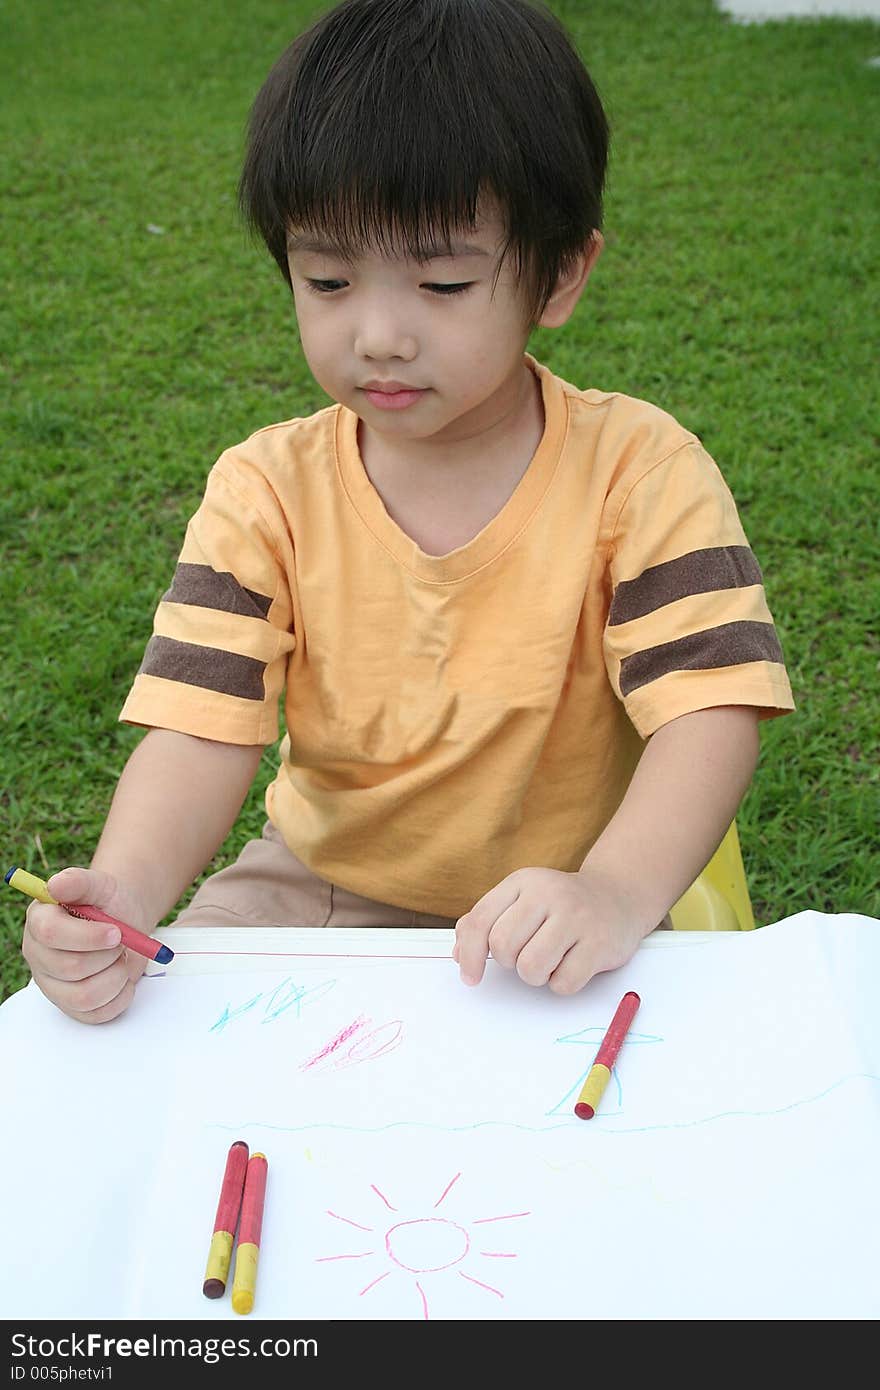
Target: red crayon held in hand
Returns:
[[133, 939]]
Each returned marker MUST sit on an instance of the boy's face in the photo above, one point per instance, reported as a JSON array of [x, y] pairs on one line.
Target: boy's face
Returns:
[[423, 350]]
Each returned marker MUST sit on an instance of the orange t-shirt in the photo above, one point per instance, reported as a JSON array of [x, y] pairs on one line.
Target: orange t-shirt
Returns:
[[452, 718]]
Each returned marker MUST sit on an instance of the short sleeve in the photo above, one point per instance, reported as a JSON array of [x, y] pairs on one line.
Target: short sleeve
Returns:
[[222, 633], [688, 625]]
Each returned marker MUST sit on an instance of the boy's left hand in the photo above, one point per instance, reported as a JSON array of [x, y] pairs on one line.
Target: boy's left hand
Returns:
[[553, 928]]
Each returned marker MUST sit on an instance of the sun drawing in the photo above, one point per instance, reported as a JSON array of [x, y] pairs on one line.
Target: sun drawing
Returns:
[[427, 1246]]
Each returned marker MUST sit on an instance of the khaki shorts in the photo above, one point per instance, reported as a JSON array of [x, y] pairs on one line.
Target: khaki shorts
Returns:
[[267, 886]]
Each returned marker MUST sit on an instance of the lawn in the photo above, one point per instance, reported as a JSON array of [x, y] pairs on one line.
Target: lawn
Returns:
[[141, 333]]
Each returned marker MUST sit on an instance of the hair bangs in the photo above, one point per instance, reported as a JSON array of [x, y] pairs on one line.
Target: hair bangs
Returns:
[[359, 200], [390, 124]]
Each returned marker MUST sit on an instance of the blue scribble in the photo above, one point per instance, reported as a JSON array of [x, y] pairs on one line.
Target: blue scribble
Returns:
[[573, 1123], [229, 1014], [295, 997], [285, 996]]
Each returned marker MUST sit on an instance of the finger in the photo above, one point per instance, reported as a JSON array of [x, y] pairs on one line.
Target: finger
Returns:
[[54, 929], [137, 964], [96, 992], [514, 928], [576, 968], [470, 951], [543, 953], [108, 1011], [75, 885], [68, 966], [472, 930]]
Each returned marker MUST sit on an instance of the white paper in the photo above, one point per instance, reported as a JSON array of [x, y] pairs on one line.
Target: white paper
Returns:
[[424, 1157]]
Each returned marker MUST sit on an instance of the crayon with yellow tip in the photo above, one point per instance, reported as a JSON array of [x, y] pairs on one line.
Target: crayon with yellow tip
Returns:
[[226, 1221], [244, 1280], [600, 1072]]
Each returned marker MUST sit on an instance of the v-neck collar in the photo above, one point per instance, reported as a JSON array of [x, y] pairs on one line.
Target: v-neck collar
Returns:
[[496, 535]]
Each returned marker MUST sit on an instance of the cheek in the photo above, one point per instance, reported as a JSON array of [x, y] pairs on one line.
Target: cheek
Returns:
[[318, 333], [484, 346]]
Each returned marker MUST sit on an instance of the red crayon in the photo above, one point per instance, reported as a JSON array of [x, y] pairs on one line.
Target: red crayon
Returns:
[[226, 1220], [135, 940], [248, 1252], [600, 1072]]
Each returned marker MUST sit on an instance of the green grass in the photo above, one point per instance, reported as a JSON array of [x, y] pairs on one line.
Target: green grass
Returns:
[[737, 290]]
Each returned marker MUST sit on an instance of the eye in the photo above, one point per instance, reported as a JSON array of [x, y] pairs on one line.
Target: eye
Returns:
[[449, 289], [326, 286]]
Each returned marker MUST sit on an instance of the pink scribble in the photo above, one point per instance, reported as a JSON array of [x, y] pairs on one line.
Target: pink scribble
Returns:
[[372, 1045], [498, 1254], [424, 1300], [449, 1185], [336, 1042]]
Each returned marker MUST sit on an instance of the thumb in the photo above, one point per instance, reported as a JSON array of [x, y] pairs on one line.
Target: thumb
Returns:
[[76, 885]]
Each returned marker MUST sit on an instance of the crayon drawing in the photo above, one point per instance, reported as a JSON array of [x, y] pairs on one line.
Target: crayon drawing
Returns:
[[286, 999], [424, 1246], [346, 1049]]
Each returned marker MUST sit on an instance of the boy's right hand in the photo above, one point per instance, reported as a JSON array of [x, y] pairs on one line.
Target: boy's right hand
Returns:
[[80, 966]]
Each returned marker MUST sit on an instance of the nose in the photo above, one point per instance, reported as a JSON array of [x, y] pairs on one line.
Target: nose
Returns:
[[382, 332]]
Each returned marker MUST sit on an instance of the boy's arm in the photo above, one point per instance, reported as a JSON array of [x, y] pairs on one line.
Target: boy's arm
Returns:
[[563, 928], [174, 805]]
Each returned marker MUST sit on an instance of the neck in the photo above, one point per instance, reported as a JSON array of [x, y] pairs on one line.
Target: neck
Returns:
[[442, 495]]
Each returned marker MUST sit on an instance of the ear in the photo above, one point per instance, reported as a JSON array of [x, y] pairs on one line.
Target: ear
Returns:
[[570, 285]]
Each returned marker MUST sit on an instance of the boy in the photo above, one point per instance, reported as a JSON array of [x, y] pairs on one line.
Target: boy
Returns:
[[523, 643]]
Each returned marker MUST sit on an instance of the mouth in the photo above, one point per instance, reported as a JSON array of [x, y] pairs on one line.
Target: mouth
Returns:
[[392, 395]]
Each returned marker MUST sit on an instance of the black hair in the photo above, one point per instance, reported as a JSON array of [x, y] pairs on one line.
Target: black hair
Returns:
[[388, 121]]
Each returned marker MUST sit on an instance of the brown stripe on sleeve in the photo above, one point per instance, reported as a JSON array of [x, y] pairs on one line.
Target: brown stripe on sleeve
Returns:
[[700, 572], [209, 667], [729, 644], [206, 587]]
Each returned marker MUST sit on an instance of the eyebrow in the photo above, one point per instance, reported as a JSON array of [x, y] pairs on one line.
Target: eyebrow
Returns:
[[431, 253]]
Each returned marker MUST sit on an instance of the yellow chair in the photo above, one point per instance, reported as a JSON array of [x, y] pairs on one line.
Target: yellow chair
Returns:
[[719, 900]]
